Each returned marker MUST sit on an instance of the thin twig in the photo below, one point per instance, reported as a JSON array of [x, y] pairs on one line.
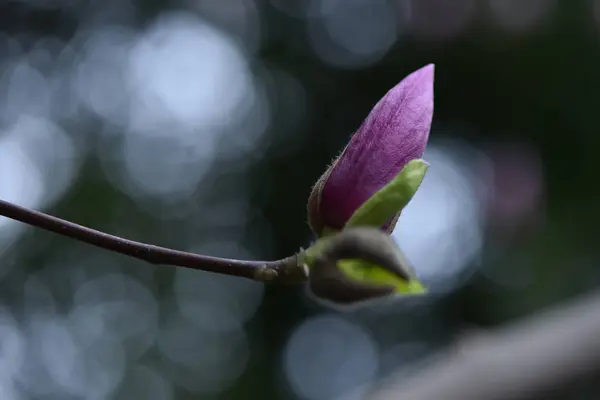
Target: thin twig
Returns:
[[366, 243], [285, 270], [523, 361]]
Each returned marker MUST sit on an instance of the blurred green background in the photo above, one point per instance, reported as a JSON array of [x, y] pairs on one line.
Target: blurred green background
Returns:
[[202, 125]]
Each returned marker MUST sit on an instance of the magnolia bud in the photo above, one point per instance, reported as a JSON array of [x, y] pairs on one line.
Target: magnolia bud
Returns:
[[395, 132]]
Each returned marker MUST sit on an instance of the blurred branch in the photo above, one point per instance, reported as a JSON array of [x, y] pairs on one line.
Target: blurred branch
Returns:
[[523, 361], [284, 270]]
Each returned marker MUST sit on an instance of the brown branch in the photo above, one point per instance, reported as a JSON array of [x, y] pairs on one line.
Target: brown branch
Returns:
[[366, 243], [523, 361], [285, 270]]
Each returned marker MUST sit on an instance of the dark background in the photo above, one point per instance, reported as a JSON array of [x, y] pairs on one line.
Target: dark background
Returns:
[[201, 125]]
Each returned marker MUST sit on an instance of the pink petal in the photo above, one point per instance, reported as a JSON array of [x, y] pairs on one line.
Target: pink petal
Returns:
[[394, 133]]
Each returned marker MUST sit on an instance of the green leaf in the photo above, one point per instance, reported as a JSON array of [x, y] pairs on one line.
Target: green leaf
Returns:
[[386, 203]]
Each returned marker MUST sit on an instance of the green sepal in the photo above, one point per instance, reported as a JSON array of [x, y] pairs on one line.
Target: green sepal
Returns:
[[386, 203], [369, 273], [308, 256], [365, 272]]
